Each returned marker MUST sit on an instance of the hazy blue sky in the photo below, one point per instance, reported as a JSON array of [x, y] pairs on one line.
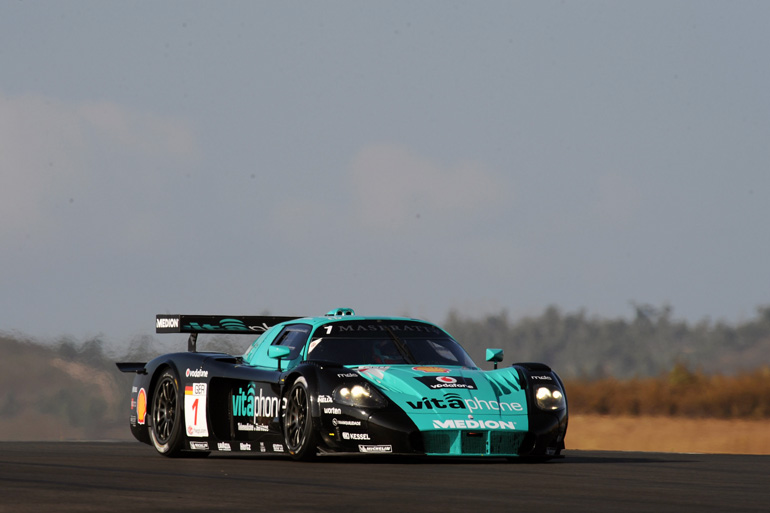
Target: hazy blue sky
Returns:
[[394, 157]]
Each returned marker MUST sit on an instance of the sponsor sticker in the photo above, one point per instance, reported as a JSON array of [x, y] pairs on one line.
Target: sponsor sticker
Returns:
[[223, 446], [355, 436], [454, 401], [141, 406], [429, 369], [333, 411], [256, 405], [446, 382], [196, 373], [252, 427], [199, 446], [324, 399], [474, 424], [375, 448], [277, 448], [376, 373], [245, 447], [167, 323], [339, 422], [195, 409]]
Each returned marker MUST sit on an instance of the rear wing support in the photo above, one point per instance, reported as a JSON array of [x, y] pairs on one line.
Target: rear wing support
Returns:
[[230, 324]]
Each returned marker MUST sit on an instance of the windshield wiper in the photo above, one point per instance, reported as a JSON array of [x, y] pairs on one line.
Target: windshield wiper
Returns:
[[405, 352]]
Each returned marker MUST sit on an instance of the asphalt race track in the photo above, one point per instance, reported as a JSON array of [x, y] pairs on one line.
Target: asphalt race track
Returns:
[[129, 476]]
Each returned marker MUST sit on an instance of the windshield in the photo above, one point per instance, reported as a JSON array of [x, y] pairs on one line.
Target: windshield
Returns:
[[386, 342]]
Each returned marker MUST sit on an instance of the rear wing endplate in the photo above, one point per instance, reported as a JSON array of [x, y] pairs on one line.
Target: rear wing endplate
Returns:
[[232, 324]]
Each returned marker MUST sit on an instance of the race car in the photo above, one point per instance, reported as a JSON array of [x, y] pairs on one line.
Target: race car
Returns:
[[342, 384]]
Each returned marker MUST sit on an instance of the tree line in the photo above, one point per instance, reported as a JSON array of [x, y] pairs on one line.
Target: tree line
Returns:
[[577, 345]]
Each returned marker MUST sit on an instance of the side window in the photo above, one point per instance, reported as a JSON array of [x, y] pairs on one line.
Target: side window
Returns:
[[294, 336]]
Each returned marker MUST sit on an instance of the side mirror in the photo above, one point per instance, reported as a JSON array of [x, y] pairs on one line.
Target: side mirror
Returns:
[[278, 352], [495, 356]]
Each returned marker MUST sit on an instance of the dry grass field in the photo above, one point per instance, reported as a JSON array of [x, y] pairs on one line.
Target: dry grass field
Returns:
[[682, 411], [668, 434]]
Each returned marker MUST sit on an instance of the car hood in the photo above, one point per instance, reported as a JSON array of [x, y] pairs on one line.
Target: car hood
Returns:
[[449, 397]]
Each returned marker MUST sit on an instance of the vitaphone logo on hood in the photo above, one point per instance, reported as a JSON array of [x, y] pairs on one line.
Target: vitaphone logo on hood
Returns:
[[438, 382], [454, 401]]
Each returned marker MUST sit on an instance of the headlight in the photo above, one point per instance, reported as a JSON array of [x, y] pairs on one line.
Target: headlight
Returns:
[[549, 398], [360, 396]]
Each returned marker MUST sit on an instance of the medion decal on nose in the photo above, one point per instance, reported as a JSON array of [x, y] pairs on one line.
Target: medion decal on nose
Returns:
[[473, 424]]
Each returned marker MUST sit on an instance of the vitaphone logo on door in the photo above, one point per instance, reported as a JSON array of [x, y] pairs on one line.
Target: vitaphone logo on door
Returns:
[[254, 407]]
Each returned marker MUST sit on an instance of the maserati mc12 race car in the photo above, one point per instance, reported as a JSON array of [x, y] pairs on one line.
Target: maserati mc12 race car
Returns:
[[342, 384]]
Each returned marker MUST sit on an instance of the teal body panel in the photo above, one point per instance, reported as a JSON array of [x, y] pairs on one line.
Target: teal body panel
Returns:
[[445, 402], [257, 356]]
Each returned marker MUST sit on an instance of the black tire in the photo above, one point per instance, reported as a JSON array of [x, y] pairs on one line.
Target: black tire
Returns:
[[166, 430], [298, 433]]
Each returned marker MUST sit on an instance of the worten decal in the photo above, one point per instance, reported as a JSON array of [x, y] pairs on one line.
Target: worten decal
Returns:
[[443, 382], [454, 401], [253, 409]]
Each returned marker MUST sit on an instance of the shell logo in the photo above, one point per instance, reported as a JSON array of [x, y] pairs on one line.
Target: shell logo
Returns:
[[141, 406], [430, 369]]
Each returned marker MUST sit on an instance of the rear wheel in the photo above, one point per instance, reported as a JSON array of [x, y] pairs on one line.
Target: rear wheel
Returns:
[[298, 434], [165, 412]]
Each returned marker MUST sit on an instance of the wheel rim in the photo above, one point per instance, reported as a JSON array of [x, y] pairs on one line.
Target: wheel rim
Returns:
[[296, 418], [164, 411]]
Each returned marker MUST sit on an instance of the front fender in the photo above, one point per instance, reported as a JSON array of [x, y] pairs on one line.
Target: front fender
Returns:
[[547, 428]]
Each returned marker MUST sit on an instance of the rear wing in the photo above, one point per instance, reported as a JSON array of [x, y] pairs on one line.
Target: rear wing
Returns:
[[232, 324]]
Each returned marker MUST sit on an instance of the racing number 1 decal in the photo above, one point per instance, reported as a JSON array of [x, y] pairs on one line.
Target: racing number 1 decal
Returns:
[[195, 409]]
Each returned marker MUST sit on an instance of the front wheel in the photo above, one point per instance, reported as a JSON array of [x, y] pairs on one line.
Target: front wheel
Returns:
[[166, 429], [298, 434]]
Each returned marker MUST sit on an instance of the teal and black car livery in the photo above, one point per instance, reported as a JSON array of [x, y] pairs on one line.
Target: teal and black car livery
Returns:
[[342, 384]]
